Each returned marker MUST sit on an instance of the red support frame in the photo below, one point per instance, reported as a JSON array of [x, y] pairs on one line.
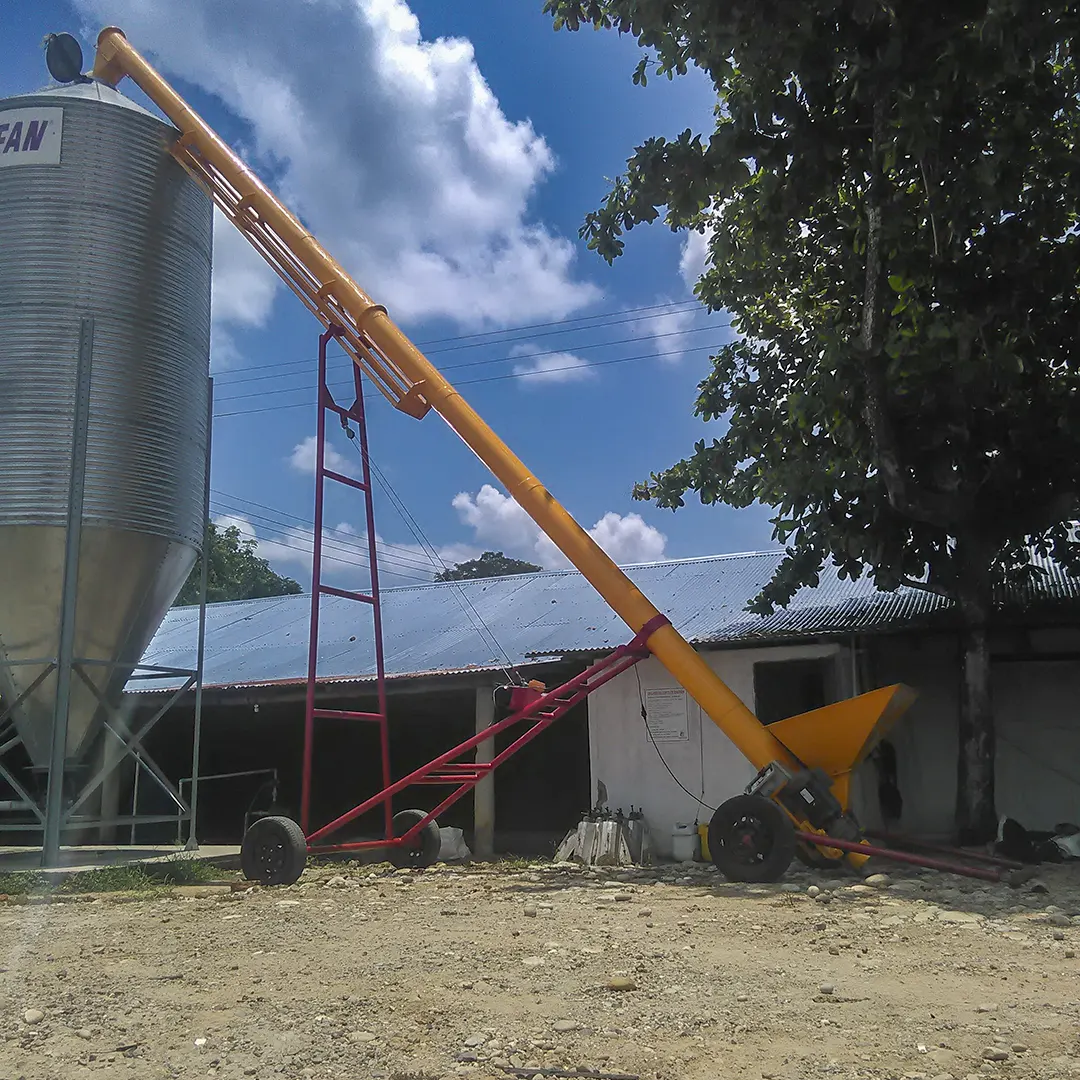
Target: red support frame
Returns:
[[538, 711], [463, 776]]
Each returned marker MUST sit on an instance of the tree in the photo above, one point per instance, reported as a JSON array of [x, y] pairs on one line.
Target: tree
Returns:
[[490, 564], [235, 572], [890, 202]]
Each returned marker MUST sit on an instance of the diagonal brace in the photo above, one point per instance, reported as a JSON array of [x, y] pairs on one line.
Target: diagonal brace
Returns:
[[133, 743]]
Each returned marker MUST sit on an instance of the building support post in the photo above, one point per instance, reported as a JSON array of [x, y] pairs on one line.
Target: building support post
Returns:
[[484, 792], [110, 792]]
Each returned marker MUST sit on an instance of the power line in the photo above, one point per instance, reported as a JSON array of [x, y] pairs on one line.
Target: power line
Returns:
[[510, 670], [674, 308], [350, 552], [483, 363], [598, 363], [396, 563], [563, 322], [356, 557], [485, 632], [494, 378], [352, 545], [381, 544]]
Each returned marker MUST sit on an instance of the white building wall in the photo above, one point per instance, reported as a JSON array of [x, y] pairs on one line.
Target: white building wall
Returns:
[[626, 762], [1037, 720], [1037, 716], [925, 738], [1037, 705]]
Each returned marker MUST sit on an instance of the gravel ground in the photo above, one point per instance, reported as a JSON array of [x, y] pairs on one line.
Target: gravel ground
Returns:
[[670, 974]]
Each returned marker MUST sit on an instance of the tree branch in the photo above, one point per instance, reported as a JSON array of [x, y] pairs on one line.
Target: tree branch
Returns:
[[905, 496], [930, 208]]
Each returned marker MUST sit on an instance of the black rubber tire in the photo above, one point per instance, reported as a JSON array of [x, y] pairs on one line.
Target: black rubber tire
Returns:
[[751, 839], [425, 846], [274, 851]]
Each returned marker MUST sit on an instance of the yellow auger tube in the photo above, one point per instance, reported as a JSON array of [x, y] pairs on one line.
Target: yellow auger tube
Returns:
[[117, 58]]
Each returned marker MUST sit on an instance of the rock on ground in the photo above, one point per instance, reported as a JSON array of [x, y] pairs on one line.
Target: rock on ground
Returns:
[[364, 972]]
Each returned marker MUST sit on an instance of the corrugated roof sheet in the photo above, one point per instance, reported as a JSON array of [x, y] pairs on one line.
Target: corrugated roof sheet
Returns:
[[447, 628]]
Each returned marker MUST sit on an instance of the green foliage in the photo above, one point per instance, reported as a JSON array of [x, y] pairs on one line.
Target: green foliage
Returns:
[[952, 428], [184, 870], [235, 572], [124, 878], [490, 564], [890, 196]]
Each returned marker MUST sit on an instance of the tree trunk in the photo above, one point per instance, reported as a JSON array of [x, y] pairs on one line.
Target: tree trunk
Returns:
[[976, 814]]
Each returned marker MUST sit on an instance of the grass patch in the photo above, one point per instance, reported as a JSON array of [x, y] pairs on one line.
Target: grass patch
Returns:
[[102, 879], [516, 862], [21, 882], [180, 871], [130, 878]]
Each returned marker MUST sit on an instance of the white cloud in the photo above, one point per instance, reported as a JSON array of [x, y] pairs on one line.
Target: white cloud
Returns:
[[555, 367], [499, 522], [302, 458], [669, 333], [628, 539], [393, 149], [695, 257], [242, 294]]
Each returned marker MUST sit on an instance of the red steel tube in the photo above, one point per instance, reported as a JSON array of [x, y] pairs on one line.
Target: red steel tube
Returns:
[[601, 672], [353, 845], [316, 591], [376, 601], [980, 856], [900, 856]]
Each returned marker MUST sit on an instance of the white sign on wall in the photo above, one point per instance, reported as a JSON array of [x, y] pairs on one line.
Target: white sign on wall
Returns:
[[31, 136], [666, 714]]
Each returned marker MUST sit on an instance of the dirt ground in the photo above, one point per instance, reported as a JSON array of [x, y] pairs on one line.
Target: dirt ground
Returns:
[[359, 972]]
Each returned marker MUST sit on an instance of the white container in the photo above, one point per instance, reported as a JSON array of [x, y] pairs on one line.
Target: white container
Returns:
[[683, 842]]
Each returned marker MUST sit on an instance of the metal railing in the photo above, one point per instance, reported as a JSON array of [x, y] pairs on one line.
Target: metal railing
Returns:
[[273, 773]]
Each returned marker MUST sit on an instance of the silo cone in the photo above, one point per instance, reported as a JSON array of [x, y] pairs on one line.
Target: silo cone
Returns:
[[98, 222]]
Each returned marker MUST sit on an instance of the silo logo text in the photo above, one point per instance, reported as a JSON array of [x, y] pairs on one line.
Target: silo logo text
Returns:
[[30, 136]]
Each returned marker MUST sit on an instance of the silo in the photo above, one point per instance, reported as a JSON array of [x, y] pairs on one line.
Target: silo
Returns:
[[97, 222]]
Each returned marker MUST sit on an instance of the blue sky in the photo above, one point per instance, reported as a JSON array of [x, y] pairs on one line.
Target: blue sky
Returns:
[[446, 154]]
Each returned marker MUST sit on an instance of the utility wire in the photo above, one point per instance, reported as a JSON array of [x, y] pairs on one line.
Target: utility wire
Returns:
[[510, 669], [479, 363], [493, 378], [470, 340], [353, 555], [598, 363], [688, 304], [699, 799], [408, 556]]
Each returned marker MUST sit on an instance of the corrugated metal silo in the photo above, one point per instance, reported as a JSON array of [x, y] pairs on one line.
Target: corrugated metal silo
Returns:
[[96, 221]]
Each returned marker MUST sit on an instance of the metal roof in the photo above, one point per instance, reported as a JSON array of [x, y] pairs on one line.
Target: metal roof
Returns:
[[445, 628]]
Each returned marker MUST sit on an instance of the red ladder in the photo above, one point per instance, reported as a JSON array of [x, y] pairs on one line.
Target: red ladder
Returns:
[[319, 589]]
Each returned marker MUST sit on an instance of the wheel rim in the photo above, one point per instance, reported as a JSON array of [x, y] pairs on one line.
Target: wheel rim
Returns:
[[270, 857], [749, 840], [412, 856]]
